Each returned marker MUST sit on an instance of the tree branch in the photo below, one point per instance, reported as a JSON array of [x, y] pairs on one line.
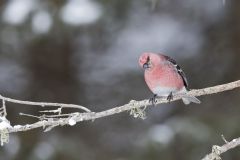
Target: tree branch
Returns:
[[50, 121], [43, 104], [218, 150]]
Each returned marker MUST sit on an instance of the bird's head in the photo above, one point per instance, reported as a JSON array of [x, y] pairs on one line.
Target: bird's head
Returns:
[[149, 60]]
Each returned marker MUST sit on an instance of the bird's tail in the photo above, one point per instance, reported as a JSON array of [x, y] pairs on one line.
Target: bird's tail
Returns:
[[187, 99]]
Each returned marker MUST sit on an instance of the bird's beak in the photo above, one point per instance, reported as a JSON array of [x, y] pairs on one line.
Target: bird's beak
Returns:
[[146, 66]]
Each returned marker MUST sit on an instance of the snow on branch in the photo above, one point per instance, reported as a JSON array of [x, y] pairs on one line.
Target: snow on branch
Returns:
[[53, 118]]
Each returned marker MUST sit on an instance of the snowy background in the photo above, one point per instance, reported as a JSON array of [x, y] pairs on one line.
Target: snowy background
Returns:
[[86, 52]]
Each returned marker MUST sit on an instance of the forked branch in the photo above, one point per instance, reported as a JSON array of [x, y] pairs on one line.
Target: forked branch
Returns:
[[218, 150], [50, 121]]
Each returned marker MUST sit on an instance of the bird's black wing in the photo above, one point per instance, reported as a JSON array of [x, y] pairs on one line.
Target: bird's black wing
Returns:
[[179, 70]]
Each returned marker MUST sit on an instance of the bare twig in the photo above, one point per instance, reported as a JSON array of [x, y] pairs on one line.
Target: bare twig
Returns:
[[224, 139], [218, 150], [78, 117], [3, 111], [43, 104]]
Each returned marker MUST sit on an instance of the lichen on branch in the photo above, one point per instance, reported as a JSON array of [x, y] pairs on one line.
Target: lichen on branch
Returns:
[[53, 118]]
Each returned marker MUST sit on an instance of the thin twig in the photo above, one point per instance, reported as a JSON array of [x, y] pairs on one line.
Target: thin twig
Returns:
[[44, 104], [3, 110], [224, 139], [29, 115]]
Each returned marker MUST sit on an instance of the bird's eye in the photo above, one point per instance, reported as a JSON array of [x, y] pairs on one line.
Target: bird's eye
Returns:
[[146, 65], [148, 59]]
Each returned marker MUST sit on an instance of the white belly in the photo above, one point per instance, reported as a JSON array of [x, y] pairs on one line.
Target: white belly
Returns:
[[164, 91]]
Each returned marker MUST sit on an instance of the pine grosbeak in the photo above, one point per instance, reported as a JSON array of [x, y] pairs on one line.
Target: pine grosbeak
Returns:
[[164, 77]]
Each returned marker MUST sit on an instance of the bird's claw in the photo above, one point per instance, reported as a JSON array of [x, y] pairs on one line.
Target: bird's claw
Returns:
[[170, 97], [153, 100]]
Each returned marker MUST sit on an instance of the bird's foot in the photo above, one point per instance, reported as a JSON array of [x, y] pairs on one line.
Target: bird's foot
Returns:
[[153, 100], [170, 97]]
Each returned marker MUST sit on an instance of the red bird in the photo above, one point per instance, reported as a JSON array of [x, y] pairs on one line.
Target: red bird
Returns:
[[164, 77]]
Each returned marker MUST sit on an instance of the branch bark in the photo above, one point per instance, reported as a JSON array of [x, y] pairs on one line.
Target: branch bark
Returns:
[[218, 150], [49, 122]]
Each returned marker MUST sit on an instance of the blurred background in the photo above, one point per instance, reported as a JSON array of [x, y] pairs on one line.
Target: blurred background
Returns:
[[86, 52]]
